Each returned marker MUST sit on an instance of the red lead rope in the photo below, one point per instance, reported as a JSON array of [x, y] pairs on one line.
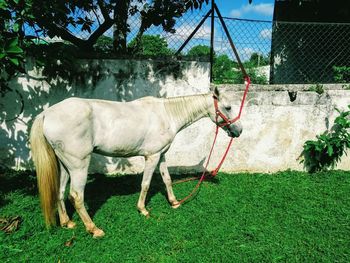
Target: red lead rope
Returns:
[[226, 122]]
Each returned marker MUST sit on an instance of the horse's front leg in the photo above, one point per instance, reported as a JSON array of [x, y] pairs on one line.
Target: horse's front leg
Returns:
[[150, 165], [167, 181]]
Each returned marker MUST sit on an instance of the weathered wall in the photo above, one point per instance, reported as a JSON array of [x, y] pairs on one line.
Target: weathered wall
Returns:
[[277, 123], [276, 120]]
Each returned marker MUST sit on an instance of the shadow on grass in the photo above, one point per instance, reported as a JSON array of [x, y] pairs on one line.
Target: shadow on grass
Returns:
[[101, 187], [98, 190], [11, 181]]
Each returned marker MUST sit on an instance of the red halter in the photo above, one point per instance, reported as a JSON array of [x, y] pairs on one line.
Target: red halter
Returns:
[[218, 113], [226, 120]]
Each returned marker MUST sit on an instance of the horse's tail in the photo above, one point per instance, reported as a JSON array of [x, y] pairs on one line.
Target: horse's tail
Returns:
[[46, 166]]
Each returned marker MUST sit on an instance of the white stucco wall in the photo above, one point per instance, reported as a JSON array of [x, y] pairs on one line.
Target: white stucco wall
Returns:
[[274, 127]]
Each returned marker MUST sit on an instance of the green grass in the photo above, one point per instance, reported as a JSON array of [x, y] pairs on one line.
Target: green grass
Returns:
[[282, 217]]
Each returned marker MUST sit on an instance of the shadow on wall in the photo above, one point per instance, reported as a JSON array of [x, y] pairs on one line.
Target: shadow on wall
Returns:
[[118, 80]]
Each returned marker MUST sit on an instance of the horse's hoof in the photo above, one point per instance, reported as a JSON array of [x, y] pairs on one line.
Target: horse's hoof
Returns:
[[69, 224], [145, 213], [97, 233], [175, 204]]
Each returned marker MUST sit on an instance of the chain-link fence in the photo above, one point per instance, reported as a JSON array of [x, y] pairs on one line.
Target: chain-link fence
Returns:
[[310, 53], [272, 52]]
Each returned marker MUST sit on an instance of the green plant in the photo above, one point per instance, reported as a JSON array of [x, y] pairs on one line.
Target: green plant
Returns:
[[257, 78], [341, 74], [11, 52], [226, 71], [318, 88], [258, 60], [150, 45], [326, 151], [104, 44], [199, 51], [346, 86]]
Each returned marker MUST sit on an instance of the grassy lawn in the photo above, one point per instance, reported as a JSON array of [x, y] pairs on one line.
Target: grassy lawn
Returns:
[[282, 217]]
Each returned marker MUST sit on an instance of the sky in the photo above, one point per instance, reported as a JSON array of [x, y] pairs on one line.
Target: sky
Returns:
[[259, 9], [248, 36]]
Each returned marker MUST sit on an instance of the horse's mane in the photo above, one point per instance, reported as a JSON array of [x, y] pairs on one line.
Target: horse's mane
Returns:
[[186, 106]]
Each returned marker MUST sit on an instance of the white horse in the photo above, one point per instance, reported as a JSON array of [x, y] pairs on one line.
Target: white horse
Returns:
[[64, 136]]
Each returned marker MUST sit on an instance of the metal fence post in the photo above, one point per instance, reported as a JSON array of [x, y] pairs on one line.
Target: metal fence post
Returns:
[[212, 25]]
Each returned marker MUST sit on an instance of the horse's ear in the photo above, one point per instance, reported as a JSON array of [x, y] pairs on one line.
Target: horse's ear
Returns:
[[216, 92]]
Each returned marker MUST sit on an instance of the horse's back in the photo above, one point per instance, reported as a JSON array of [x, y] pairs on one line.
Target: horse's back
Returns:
[[108, 127], [69, 110]]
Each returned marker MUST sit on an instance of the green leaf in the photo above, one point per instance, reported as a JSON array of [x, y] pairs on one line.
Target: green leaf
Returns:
[[3, 4], [330, 150], [14, 61], [14, 50], [15, 27], [13, 43]]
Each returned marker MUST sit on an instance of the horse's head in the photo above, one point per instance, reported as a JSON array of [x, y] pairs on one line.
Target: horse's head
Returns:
[[224, 114]]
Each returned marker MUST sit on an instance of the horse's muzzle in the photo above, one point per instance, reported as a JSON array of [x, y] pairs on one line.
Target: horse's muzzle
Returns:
[[234, 130]]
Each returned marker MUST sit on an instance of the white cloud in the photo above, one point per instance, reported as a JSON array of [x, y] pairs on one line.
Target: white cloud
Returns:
[[245, 53], [186, 29], [236, 13], [265, 9], [183, 32], [265, 33], [248, 51]]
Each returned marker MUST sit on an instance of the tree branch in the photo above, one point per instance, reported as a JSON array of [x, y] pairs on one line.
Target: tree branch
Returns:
[[66, 35], [104, 10], [81, 43], [107, 24], [97, 17]]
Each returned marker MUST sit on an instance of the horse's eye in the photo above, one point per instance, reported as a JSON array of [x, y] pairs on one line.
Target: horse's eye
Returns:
[[228, 108]]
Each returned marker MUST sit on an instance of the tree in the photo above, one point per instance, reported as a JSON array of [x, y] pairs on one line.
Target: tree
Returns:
[[150, 45], [65, 18], [199, 51], [104, 44], [12, 16], [227, 71], [223, 69], [56, 18], [258, 60]]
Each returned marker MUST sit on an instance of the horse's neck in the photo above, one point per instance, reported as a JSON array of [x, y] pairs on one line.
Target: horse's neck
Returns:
[[183, 111]]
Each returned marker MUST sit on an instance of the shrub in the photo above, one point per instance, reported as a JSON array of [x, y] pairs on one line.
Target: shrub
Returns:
[[199, 51], [341, 74], [150, 45], [326, 151], [318, 88], [226, 71]]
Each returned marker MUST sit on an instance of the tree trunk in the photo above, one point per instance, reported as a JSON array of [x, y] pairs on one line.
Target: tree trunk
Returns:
[[121, 26]]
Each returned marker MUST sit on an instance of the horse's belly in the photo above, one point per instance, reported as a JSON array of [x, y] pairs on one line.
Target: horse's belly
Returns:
[[135, 146], [118, 137], [117, 152]]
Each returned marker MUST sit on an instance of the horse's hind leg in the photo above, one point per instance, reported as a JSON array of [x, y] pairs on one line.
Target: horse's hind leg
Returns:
[[168, 184], [64, 219], [78, 177]]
